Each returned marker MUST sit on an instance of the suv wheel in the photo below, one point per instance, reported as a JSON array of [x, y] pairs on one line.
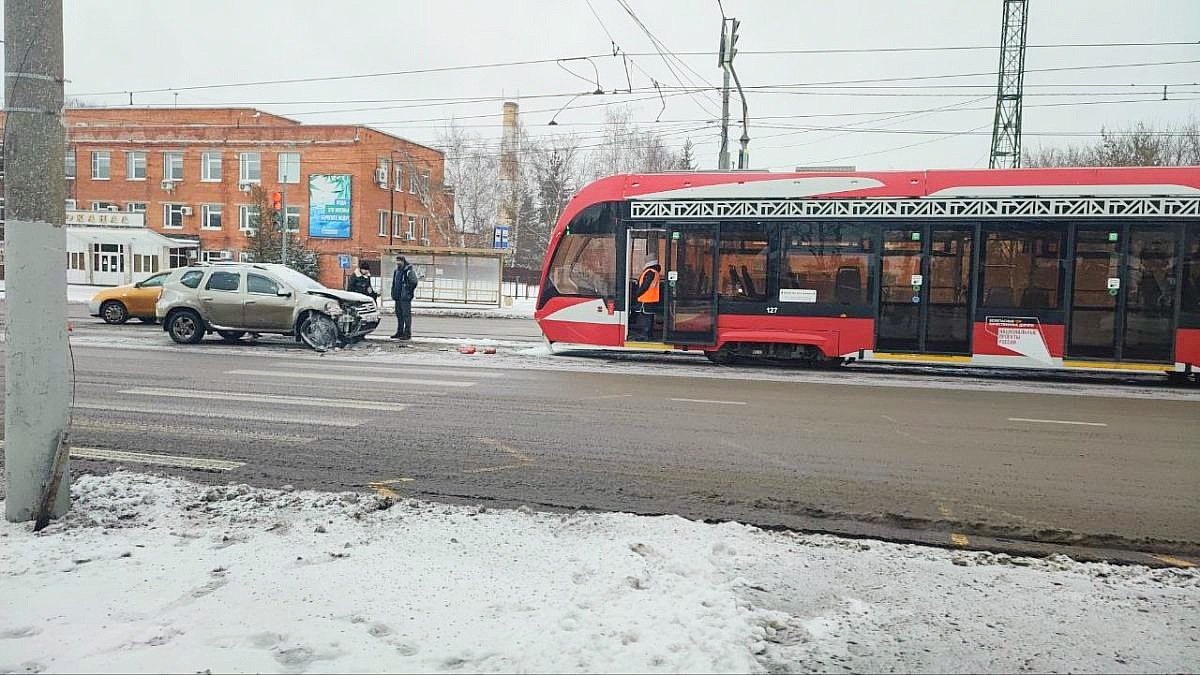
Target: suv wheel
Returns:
[[114, 312], [231, 335], [319, 332], [186, 327]]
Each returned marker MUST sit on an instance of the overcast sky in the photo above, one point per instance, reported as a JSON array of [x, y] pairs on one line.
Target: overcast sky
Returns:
[[135, 45]]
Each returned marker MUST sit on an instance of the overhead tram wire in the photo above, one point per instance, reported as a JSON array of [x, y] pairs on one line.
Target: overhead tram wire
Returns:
[[662, 51]]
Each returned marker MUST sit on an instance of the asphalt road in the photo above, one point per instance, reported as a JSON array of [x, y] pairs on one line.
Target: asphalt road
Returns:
[[1107, 468]]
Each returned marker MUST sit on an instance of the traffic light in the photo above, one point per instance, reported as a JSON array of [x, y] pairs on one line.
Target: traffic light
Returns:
[[277, 200]]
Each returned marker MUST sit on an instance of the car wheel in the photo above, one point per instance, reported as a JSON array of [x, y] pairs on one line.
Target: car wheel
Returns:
[[231, 335], [147, 319], [186, 327], [114, 312], [319, 332]]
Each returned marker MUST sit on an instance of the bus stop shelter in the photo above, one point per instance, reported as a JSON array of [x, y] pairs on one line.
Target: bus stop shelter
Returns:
[[451, 275]]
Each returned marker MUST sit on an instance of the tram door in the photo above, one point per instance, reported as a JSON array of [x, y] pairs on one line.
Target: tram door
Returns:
[[1123, 294], [925, 290], [691, 285]]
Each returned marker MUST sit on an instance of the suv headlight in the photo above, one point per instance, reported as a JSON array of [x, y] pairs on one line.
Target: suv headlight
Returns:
[[333, 308]]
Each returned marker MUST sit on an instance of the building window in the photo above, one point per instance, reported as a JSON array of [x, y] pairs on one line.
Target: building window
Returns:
[[250, 167], [397, 225], [399, 178], [412, 227], [135, 165], [425, 230], [828, 263], [289, 167], [101, 164], [293, 218], [245, 256], [173, 216], [210, 166], [71, 205], [413, 182], [383, 223], [177, 257], [382, 170], [211, 216], [136, 207], [69, 165], [105, 206], [214, 256], [1021, 268], [145, 263], [77, 260], [173, 166], [248, 217]]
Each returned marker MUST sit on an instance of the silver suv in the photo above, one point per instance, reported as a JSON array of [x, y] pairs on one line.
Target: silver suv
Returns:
[[233, 299]]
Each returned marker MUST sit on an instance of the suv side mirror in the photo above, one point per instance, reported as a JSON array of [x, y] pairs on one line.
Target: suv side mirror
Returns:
[[283, 293]]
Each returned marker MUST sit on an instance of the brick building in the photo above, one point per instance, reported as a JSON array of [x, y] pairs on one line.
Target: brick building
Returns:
[[190, 172]]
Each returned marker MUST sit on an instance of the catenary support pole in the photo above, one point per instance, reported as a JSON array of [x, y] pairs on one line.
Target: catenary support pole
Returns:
[[283, 254], [723, 156], [37, 379]]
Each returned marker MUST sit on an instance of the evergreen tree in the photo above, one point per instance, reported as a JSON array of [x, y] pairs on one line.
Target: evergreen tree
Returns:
[[266, 238]]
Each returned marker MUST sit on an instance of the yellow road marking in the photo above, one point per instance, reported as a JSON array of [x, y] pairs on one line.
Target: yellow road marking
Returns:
[[1172, 560], [380, 487], [509, 450], [959, 540]]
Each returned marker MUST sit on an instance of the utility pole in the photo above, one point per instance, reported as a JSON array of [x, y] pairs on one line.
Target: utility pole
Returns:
[[1006, 130], [725, 61], [37, 384], [729, 38]]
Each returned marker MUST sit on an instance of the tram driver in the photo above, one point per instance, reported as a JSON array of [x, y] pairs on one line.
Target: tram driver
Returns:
[[648, 293]]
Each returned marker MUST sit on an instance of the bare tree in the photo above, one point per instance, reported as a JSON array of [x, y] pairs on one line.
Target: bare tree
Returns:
[[472, 170], [1141, 145]]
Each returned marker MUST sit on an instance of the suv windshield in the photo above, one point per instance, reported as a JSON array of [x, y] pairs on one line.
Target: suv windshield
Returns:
[[295, 279]]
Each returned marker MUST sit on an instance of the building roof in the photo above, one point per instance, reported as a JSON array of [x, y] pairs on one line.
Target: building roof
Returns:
[[124, 235]]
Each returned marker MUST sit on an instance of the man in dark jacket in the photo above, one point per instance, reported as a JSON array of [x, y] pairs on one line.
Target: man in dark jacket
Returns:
[[404, 285], [360, 281]]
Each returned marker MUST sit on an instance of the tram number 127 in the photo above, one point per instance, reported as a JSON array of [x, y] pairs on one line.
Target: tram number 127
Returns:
[[772, 310]]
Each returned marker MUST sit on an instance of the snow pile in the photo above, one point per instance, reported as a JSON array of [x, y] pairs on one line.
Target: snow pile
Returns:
[[156, 574], [150, 574]]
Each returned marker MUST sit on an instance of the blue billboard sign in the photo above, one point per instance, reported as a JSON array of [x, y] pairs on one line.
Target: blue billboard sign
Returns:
[[329, 206]]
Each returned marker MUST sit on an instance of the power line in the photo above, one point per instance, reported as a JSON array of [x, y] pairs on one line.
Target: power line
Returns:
[[945, 48]]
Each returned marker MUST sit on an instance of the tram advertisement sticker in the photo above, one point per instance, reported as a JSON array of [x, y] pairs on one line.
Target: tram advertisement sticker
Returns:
[[1022, 335]]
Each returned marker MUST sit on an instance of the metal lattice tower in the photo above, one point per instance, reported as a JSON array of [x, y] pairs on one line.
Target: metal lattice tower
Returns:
[[1006, 131]]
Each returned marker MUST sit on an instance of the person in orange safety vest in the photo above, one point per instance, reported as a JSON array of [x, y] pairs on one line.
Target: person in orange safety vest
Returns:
[[648, 292]]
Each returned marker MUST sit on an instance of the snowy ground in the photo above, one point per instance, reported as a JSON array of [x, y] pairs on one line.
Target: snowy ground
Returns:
[[156, 574], [521, 309]]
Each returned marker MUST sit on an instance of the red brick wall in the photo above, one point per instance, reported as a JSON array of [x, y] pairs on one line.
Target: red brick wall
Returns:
[[323, 149]]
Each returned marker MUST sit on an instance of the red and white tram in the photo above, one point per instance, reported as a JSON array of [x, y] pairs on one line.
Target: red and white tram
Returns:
[[1035, 268]]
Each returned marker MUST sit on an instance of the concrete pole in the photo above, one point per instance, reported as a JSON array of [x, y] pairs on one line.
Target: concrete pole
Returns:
[[37, 384], [723, 157]]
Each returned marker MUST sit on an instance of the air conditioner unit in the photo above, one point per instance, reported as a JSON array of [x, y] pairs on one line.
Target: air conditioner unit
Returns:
[[425, 242], [381, 177], [186, 210], [168, 185], [245, 186], [113, 207]]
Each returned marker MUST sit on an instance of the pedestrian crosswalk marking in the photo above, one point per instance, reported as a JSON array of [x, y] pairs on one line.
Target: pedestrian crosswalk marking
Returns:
[[268, 398], [351, 378]]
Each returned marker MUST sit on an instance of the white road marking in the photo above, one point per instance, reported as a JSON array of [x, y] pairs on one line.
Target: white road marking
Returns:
[[1037, 421], [398, 369], [705, 400], [244, 416], [187, 431], [105, 455], [268, 398], [351, 378]]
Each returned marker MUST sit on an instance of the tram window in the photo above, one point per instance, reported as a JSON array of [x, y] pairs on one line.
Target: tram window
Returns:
[[1190, 299], [585, 265], [1022, 269], [743, 265], [832, 259]]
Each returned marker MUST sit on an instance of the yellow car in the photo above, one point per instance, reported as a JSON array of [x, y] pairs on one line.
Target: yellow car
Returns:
[[117, 305]]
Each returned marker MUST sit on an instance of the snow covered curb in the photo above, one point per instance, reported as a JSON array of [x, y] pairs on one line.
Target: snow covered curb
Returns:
[[521, 309], [156, 574]]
